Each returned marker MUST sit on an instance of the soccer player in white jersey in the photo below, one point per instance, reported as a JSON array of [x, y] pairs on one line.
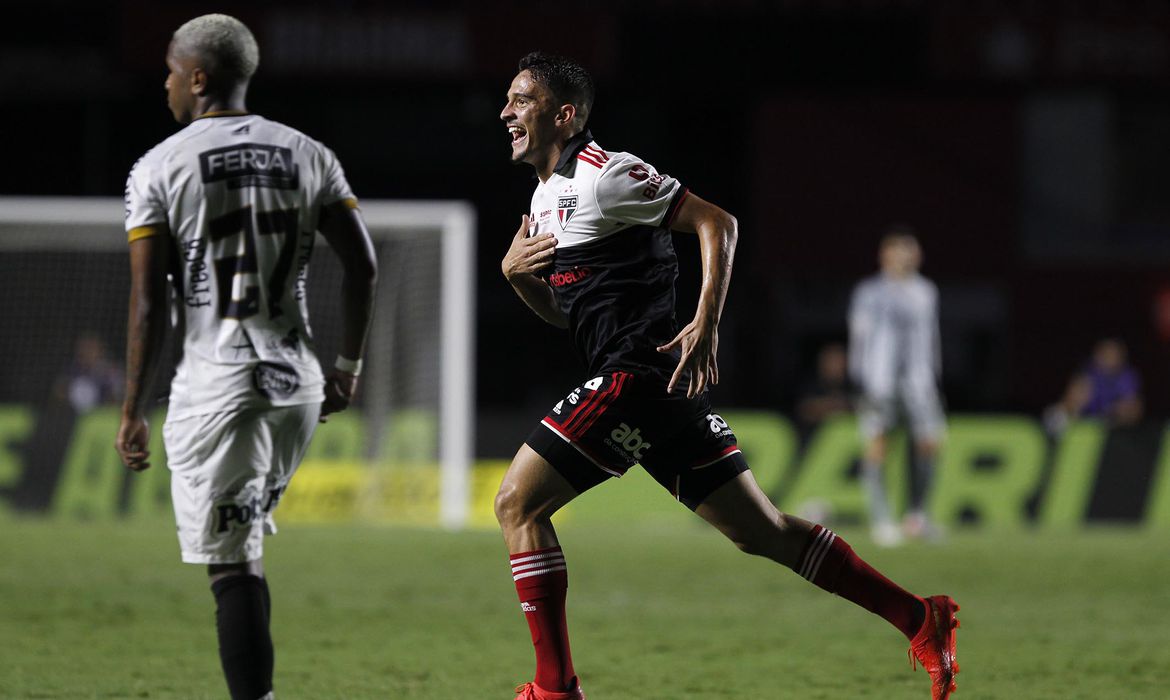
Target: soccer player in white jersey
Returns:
[[895, 359], [595, 257], [229, 207]]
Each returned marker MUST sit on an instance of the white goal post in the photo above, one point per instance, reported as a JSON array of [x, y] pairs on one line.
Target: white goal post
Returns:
[[88, 225]]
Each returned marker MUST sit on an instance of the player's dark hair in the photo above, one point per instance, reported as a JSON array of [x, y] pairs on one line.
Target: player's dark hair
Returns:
[[899, 233], [566, 79]]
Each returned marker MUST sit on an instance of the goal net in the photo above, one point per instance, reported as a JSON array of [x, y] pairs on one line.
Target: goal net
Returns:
[[404, 451]]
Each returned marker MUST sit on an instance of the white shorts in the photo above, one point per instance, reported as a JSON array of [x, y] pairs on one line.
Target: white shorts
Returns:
[[228, 471], [878, 415]]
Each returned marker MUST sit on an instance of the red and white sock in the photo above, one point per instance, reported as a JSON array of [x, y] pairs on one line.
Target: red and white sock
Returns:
[[829, 562], [542, 581]]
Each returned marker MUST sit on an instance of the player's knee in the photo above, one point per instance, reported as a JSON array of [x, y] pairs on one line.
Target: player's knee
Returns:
[[217, 572], [512, 509], [503, 506], [926, 448], [875, 451]]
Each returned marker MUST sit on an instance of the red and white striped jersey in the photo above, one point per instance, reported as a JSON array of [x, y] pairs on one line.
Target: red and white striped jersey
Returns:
[[595, 193]]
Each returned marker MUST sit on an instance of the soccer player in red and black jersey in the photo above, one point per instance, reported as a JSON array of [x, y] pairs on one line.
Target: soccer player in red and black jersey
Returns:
[[595, 256]]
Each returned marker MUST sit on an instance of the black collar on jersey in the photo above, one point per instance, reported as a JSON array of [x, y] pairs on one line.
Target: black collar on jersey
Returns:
[[572, 148], [222, 113]]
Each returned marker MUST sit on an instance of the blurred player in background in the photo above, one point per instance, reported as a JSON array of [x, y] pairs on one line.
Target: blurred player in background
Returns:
[[895, 359], [230, 206], [596, 257]]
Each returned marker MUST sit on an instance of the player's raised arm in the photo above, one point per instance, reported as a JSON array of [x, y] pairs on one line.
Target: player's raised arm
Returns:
[[345, 231], [145, 334], [526, 257], [699, 339]]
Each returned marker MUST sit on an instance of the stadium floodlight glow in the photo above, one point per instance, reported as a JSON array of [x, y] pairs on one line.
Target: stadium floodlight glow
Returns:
[[421, 348]]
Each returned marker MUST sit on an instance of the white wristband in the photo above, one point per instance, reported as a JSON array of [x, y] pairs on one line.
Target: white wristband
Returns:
[[353, 367]]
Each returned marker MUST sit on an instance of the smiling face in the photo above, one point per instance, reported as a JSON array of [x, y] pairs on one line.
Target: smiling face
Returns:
[[535, 122]]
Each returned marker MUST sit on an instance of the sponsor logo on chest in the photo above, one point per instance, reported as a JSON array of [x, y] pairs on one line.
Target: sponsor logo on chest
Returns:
[[561, 279]]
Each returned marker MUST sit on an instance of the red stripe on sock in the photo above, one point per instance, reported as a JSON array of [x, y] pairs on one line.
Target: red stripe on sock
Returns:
[[542, 598], [839, 570]]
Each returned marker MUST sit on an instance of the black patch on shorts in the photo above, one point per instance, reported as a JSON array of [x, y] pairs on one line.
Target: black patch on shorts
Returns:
[[274, 380]]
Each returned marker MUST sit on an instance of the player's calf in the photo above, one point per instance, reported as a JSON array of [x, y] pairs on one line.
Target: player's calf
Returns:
[[242, 626], [742, 512], [830, 563], [779, 537]]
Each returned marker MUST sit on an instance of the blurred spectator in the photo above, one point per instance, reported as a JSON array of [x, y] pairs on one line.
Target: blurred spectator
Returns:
[[830, 393], [92, 379], [1108, 388]]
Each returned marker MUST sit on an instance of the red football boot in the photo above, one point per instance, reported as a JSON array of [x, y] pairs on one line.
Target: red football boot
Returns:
[[934, 645], [532, 691]]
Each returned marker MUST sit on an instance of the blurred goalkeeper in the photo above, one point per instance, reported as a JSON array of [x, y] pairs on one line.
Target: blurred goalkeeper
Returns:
[[595, 257], [229, 207], [894, 358]]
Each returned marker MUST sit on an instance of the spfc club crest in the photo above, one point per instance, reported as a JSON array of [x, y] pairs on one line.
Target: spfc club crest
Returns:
[[566, 207]]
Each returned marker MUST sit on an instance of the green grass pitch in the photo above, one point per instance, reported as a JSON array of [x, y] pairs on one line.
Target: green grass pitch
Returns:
[[660, 610]]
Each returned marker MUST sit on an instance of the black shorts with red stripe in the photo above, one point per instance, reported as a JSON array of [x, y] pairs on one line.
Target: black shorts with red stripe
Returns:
[[612, 422]]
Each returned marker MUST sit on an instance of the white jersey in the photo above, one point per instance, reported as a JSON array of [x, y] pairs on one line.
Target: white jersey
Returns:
[[593, 194], [893, 336], [241, 197]]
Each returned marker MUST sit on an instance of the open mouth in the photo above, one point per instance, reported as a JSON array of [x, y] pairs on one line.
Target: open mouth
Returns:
[[518, 133]]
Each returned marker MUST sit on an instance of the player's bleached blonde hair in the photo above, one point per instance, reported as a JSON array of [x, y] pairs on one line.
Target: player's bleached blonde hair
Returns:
[[223, 43]]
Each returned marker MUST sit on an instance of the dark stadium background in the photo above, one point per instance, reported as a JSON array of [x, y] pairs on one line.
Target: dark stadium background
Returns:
[[816, 122]]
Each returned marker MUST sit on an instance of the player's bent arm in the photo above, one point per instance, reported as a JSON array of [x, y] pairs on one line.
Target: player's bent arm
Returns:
[[536, 293], [698, 341], [718, 232], [525, 257], [147, 325], [345, 231]]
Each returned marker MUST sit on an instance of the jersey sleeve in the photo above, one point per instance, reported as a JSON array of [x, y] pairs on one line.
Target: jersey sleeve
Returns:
[[629, 191], [146, 209], [931, 323], [860, 324], [334, 187]]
